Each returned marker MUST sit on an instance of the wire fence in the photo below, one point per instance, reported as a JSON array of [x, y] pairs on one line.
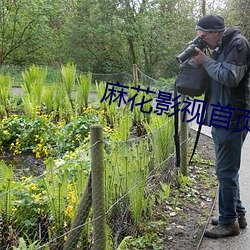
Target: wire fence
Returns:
[[124, 77], [44, 210], [55, 210]]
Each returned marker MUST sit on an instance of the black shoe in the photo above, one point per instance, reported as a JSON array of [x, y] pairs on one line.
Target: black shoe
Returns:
[[221, 231], [241, 219]]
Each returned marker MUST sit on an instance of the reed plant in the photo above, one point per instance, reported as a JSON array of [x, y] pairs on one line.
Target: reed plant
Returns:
[[100, 89], [34, 80], [48, 97], [6, 184], [68, 75], [56, 187], [83, 90], [140, 116], [122, 124], [5, 90], [62, 106], [111, 109], [126, 172], [160, 130]]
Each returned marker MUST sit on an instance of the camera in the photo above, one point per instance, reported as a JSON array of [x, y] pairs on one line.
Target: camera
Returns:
[[190, 51]]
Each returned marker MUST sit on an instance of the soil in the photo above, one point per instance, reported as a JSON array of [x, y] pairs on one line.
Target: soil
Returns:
[[25, 164], [187, 222]]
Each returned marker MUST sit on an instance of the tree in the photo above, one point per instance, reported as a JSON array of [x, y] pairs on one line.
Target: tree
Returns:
[[237, 12], [21, 21]]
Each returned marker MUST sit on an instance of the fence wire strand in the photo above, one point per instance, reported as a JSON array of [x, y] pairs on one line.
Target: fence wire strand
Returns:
[[134, 169]]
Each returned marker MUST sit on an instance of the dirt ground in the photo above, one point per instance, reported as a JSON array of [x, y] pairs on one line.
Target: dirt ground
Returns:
[[187, 223]]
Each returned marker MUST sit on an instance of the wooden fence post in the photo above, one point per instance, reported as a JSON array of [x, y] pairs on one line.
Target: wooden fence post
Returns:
[[98, 195]]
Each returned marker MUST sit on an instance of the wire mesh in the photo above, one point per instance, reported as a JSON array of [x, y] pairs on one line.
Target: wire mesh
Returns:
[[44, 211]]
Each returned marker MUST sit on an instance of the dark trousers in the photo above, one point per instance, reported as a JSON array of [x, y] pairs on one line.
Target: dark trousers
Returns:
[[228, 145]]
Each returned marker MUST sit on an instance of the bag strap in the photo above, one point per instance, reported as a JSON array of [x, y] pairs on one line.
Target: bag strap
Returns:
[[176, 126], [199, 129]]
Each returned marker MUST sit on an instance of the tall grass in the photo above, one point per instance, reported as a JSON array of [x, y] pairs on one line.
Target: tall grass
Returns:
[[161, 129], [68, 74], [6, 197], [33, 86], [83, 90], [5, 90]]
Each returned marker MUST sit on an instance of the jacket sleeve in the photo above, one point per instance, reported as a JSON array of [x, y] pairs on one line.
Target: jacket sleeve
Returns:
[[234, 66]]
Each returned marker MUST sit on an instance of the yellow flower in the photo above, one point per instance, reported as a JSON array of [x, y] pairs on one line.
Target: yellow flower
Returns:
[[37, 196], [69, 211], [73, 199], [6, 132], [14, 209], [31, 186], [38, 156]]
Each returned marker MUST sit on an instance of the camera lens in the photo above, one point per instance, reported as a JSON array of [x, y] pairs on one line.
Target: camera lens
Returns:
[[187, 53], [190, 50]]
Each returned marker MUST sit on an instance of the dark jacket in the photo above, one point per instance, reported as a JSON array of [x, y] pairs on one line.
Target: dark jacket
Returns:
[[229, 87]]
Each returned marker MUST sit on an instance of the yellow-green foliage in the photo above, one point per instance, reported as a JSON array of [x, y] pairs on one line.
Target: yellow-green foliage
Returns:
[[5, 88], [33, 85], [68, 74], [161, 131], [126, 172], [83, 90], [6, 184]]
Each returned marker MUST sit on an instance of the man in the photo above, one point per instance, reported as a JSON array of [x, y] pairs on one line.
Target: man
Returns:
[[228, 109]]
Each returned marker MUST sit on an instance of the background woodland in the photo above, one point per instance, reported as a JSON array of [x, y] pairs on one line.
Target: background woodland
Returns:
[[107, 36]]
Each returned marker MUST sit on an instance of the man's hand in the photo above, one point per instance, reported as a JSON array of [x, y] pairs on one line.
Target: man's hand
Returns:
[[200, 58]]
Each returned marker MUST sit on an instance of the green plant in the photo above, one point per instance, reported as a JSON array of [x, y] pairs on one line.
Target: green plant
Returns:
[[6, 196], [30, 207], [184, 181], [5, 90], [83, 90], [48, 98], [164, 191], [68, 74], [161, 134], [141, 112], [122, 124], [147, 241], [126, 172], [100, 89], [29, 245], [176, 199], [34, 81]]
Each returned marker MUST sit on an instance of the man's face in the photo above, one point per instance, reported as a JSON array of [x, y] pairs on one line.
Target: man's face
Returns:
[[211, 38]]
